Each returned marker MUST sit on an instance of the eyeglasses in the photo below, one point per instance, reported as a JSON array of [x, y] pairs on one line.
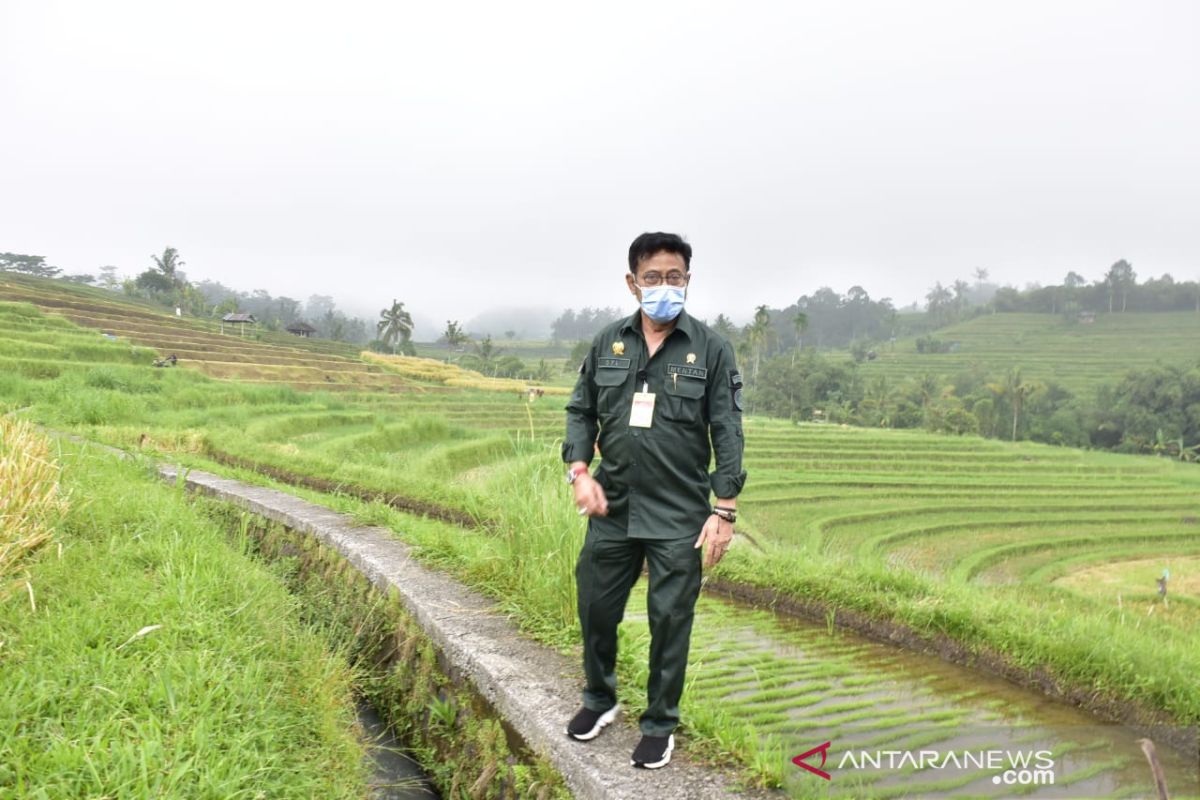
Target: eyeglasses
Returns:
[[673, 278]]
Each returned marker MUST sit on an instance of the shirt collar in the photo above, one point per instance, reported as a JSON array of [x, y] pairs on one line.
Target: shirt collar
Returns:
[[682, 323]]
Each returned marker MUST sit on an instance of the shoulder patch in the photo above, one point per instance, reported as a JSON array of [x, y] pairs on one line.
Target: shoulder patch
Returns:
[[735, 386]]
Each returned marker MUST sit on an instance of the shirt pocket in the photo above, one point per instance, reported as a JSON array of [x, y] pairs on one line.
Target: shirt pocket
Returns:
[[610, 386], [684, 398]]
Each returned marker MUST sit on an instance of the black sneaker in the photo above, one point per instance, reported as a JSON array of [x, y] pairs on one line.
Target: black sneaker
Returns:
[[587, 724], [653, 752]]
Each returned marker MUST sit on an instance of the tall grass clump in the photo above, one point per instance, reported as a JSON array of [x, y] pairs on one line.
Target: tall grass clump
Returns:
[[161, 660], [541, 534], [31, 500]]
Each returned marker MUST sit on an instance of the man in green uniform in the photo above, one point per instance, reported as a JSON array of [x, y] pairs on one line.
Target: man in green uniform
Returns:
[[663, 392]]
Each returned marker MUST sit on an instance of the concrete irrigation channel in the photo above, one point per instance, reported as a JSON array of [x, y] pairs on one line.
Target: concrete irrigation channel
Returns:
[[797, 683]]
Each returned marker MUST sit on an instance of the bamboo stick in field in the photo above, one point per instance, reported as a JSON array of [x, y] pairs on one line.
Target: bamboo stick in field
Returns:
[[1160, 779]]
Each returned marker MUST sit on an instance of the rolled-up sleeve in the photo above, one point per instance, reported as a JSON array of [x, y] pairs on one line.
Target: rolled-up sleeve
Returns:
[[725, 425], [580, 441]]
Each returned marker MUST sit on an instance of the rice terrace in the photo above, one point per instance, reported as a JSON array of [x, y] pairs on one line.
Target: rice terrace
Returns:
[[549, 401], [892, 590]]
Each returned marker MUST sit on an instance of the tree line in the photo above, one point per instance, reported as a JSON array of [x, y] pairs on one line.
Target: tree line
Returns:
[[1118, 291], [574, 326], [829, 320], [1155, 409]]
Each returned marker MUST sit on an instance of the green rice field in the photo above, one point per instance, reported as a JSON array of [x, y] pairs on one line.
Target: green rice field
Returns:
[[1037, 558]]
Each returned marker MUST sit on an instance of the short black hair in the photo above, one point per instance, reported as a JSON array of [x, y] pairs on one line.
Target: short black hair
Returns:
[[648, 244]]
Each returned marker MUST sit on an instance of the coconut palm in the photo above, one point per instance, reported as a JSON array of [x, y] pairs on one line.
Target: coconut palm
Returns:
[[928, 387], [960, 295], [800, 323], [1016, 390], [395, 325], [486, 357], [168, 264], [759, 334]]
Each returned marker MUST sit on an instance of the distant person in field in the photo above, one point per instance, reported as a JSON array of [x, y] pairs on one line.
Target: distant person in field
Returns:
[[663, 392]]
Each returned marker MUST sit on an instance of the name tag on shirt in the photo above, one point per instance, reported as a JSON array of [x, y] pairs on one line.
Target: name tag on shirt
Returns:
[[642, 414]]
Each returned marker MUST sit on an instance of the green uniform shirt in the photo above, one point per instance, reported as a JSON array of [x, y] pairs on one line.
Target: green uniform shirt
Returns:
[[657, 479]]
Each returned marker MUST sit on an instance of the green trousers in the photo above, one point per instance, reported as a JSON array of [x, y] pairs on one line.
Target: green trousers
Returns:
[[604, 575]]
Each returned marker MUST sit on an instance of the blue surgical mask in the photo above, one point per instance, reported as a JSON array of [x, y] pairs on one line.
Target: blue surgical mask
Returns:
[[662, 303]]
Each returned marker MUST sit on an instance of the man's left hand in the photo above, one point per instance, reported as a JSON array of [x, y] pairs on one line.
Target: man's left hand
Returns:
[[717, 533]]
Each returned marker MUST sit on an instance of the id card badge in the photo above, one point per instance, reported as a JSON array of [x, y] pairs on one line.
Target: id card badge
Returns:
[[642, 414]]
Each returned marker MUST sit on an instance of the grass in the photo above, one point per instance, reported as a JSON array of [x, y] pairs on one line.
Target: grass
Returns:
[[963, 538], [159, 660]]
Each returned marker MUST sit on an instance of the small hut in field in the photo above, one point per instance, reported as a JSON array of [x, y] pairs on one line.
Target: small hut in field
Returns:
[[238, 321], [301, 329]]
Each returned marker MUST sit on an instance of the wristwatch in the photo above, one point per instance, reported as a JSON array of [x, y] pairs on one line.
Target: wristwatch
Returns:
[[727, 514], [572, 474]]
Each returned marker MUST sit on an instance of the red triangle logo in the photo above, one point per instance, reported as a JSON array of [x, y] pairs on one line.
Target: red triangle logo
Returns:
[[823, 749]]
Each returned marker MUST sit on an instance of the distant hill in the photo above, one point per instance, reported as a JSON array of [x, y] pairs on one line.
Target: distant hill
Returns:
[[1076, 354]]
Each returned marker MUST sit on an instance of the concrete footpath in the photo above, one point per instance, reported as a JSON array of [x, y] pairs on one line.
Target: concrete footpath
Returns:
[[535, 689]]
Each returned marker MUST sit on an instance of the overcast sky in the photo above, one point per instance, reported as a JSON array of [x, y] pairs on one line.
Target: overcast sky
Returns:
[[463, 156]]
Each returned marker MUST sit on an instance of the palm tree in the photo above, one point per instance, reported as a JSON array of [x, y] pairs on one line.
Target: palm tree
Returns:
[[800, 323], [938, 298], [759, 334], [168, 264], [395, 325], [1016, 391], [928, 388], [960, 295], [486, 355], [877, 397]]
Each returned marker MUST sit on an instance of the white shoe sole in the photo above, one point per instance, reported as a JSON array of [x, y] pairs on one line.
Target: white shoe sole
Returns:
[[666, 759], [601, 723]]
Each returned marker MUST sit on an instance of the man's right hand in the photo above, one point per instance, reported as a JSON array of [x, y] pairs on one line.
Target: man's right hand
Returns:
[[589, 496]]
